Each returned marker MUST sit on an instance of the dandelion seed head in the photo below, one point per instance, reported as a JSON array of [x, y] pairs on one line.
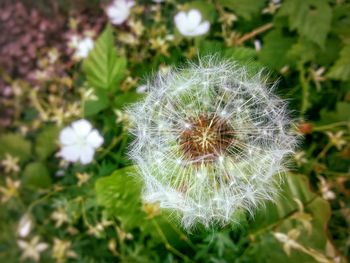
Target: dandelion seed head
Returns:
[[210, 141]]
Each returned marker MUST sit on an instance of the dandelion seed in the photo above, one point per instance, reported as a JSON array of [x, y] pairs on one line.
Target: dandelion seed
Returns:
[[210, 151]]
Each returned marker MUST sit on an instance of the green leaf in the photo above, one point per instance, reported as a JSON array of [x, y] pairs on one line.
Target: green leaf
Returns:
[[206, 8], [341, 69], [209, 47], [37, 175], [15, 145], [242, 54], [341, 113], [311, 18], [284, 215], [245, 57], [301, 52], [46, 142], [103, 68], [275, 48], [92, 107], [120, 195], [341, 20], [125, 99], [293, 186], [245, 9]]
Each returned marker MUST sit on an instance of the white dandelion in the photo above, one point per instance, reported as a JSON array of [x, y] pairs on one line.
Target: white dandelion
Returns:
[[210, 141]]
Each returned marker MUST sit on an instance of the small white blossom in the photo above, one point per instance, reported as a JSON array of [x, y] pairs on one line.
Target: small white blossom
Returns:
[[32, 249], [84, 47], [79, 142], [119, 10], [24, 226], [190, 24], [257, 45]]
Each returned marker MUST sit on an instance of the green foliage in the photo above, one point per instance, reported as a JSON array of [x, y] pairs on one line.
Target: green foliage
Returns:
[[341, 68], [46, 142], [92, 107], [296, 208], [103, 67], [274, 52], [122, 100], [15, 145], [341, 114], [247, 9], [37, 175], [120, 194], [311, 18]]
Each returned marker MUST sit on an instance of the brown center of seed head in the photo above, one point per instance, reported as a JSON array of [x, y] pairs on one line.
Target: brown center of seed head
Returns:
[[206, 138]]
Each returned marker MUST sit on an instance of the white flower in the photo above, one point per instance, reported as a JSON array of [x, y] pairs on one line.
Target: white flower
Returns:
[[32, 249], [79, 142], [210, 141], [190, 24], [119, 10], [24, 226], [257, 45], [84, 47]]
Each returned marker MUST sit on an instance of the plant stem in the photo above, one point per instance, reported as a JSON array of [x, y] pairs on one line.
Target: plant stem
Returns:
[[330, 126], [304, 90], [255, 32], [167, 244]]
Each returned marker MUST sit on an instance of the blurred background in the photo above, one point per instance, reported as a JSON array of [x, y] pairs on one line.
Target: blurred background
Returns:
[[61, 61]]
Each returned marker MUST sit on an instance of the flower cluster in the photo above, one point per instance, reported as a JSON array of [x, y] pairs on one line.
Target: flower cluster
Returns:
[[210, 141]]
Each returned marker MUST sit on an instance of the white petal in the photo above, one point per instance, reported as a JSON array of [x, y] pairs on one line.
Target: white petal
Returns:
[[24, 226], [70, 153], [22, 244], [82, 127], [194, 17], [112, 11], [130, 4], [68, 136], [88, 43], [86, 155], [94, 139], [119, 11], [201, 29], [180, 22], [41, 247]]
